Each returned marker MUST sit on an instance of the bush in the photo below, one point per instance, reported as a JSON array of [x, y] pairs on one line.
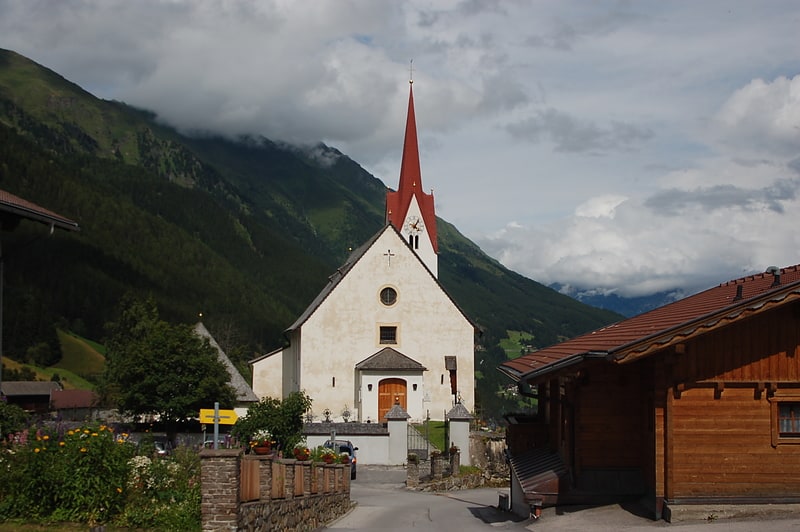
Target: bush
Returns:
[[77, 475], [92, 475], [163, 493]]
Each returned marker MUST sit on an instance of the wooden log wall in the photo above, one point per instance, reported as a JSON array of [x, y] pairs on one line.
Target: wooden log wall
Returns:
[[721, 448]]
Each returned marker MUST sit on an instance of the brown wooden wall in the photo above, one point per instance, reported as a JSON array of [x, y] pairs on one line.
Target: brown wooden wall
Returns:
[[716, 421], [765, 348], [721, 447], [610, 417]]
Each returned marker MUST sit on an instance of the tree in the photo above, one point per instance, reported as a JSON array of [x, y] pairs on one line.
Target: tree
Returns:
[[12, 419], [283, 420], [153, 367]]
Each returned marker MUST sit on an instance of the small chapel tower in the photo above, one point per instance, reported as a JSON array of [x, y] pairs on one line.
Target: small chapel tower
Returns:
[[410, 210]]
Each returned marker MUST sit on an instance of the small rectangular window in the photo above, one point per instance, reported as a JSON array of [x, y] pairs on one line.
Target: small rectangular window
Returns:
[[785, 418], [388, 334], [789, 420]]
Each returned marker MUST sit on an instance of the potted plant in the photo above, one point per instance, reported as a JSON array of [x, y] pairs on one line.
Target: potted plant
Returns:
[[327, 455], [301, 452], [262, 442]]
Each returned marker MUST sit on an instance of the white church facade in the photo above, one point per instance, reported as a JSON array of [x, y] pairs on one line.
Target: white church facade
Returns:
[[383, 331]]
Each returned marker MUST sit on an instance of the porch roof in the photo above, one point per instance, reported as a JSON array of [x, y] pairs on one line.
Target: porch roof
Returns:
[[389, 359]]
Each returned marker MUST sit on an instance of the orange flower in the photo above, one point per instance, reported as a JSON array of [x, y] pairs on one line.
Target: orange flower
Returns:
[[46, 437], [61, 444], [83, 449], [36, 450]]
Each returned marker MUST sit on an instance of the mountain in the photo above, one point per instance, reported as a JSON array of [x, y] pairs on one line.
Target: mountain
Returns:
[[244, 230], [626, 306]]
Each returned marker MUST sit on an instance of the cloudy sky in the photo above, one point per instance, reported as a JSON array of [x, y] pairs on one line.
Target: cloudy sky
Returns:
[[627, 147]]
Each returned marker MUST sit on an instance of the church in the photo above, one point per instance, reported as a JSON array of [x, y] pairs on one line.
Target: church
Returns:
[[383, 331]]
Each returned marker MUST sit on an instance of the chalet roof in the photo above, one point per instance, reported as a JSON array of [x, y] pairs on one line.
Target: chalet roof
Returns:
[[61, 399], [244, 393], [410, 185], [14, 208], [17, 388], [668, 325], [344, 269], [390, 359]]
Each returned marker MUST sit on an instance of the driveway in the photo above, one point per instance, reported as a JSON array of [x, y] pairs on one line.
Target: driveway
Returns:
[[385, 504]]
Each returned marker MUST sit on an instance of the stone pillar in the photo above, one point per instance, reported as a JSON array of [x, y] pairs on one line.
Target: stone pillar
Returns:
[[437, 465], [219, 489], [455, 462], [288, 479], [412, 472], [397, 423], [459, 418]]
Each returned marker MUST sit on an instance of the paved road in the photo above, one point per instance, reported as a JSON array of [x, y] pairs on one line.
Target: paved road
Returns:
[[385, 504]]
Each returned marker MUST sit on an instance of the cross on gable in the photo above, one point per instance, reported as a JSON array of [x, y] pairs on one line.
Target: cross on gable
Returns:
[[389, 256]]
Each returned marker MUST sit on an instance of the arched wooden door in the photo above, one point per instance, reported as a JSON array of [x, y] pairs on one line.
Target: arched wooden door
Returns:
[[390, 391]]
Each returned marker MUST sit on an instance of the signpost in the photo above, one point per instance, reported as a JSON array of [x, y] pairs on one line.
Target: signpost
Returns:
[[217, 416]]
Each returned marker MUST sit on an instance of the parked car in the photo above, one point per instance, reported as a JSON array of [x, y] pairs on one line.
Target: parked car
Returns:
[[222, 442], [344, 446], [162, 446]]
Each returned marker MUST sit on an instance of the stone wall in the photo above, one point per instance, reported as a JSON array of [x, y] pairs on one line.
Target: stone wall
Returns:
[[261, 493]]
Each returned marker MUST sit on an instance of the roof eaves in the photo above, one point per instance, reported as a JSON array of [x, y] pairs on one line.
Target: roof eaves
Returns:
[[644, 346]]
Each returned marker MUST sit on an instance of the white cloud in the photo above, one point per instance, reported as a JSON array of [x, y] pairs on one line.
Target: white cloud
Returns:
[[627, 146]]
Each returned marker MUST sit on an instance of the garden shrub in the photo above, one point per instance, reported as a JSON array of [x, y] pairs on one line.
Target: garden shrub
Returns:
[[65, 475], [92, 475]]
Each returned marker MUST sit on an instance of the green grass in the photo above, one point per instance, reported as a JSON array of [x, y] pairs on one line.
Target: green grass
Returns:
[[69, 380], [79, 356], [435, 433], [516, 343]]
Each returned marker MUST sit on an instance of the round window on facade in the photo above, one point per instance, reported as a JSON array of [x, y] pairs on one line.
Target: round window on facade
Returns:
[[388, 296]]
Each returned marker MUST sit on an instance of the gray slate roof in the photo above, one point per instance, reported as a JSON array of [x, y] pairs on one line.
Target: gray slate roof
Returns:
[[13, 388], [244, 393], [459, 411], [390, 359]]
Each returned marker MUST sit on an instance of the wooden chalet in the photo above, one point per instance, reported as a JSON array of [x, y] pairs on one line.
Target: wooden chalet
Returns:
[[696, 402]]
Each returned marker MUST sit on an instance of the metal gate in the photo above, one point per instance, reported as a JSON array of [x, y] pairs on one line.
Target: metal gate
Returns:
[[418, 443]]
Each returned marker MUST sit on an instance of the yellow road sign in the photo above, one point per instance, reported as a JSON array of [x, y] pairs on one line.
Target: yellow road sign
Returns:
[[226, 417]]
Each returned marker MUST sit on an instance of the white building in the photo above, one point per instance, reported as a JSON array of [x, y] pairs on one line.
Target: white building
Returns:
[[383, 331]]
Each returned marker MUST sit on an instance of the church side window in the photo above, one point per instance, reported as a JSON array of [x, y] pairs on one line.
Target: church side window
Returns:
[[388, 334]]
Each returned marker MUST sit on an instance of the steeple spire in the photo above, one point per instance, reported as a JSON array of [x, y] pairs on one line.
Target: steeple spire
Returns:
[[410, 186]]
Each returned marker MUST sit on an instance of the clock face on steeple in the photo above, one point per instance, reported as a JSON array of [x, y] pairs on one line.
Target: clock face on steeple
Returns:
[[414, 225]]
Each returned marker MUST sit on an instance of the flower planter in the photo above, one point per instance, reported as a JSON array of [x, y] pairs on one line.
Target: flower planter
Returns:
[[262, 449]]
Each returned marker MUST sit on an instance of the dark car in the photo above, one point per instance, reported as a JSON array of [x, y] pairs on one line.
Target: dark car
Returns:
[[344, 446]]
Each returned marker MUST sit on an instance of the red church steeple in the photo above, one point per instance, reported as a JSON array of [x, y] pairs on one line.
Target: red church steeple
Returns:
[[410, 187]]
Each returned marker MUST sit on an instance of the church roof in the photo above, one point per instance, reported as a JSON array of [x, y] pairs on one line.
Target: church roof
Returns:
[[244, 393], [390, 359], [410, 186]]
